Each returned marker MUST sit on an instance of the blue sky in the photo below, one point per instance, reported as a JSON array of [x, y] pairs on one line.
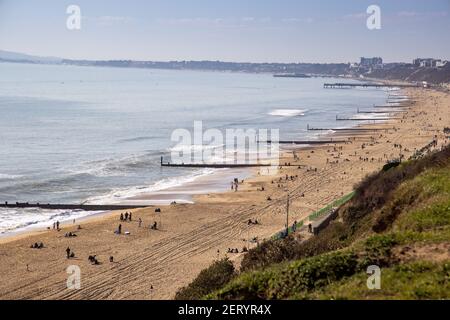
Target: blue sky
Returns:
[[229, 30]]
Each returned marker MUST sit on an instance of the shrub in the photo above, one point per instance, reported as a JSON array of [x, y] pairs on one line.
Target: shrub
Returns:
[[377, 250], [208, 280], [376, 189], [287, 280]]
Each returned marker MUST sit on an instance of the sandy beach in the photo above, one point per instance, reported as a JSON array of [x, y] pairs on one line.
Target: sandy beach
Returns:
[[153, 264]]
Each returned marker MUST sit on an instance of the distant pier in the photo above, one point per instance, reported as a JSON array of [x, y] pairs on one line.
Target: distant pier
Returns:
[[291, 75]]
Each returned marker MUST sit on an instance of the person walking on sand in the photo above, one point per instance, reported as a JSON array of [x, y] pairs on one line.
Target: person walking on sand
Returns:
[[129, 216], [126, 216], [119, 230], [57, 225], [140, 222], [68, 252]]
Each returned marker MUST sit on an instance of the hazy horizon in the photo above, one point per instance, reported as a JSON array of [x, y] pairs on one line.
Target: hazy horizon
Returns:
[[285, 31], [214, 60]]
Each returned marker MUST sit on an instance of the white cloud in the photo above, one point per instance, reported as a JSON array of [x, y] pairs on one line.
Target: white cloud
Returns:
[[106, 21], [408, 14], [297, 20], [356, 16], [413, 14]]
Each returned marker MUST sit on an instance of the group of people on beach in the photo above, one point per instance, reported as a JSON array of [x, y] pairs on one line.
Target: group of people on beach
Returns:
[[70, 234], [56, 225], [236, 250], [36, 245], [128, 217], [125, 217]]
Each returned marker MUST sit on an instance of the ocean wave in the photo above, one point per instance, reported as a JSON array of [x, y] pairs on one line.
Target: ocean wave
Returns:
[[287, 112], [136, 139], [193, 147], [25, 218], [5, 176], [370, 116], [121, 194], [116, 166]]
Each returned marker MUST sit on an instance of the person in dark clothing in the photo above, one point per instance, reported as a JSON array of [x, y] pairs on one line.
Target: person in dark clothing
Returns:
[[68, 252]]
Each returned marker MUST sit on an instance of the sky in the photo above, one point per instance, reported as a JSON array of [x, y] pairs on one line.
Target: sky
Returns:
[[228, 30]]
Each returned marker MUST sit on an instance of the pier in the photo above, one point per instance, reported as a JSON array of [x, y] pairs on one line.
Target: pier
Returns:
[[340, 85], [85, 207]]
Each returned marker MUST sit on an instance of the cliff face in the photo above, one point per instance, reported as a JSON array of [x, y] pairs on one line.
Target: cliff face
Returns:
[[414, 74], [398, 220]]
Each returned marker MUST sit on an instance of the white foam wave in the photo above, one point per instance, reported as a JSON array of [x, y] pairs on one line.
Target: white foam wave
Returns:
[[5, 176], [26, 218], [193, 147], [370, 116], [113, 167], [121, 194], [287, 112]]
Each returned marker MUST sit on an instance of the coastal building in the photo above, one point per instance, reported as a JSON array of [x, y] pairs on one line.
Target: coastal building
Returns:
[[428, 63], [371, 62]]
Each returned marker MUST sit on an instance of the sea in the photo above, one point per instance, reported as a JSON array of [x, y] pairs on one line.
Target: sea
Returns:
[[95, 135]]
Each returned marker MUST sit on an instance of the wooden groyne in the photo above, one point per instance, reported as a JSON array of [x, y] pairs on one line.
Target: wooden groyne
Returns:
[[85, 207], [366, 85], [346, 129], [391, 106], [399, 98], [305, 142], [366, 119], [214, 165], [378, 111]]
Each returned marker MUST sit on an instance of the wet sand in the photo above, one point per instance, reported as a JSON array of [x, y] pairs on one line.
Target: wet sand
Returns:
[[193, 235]]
